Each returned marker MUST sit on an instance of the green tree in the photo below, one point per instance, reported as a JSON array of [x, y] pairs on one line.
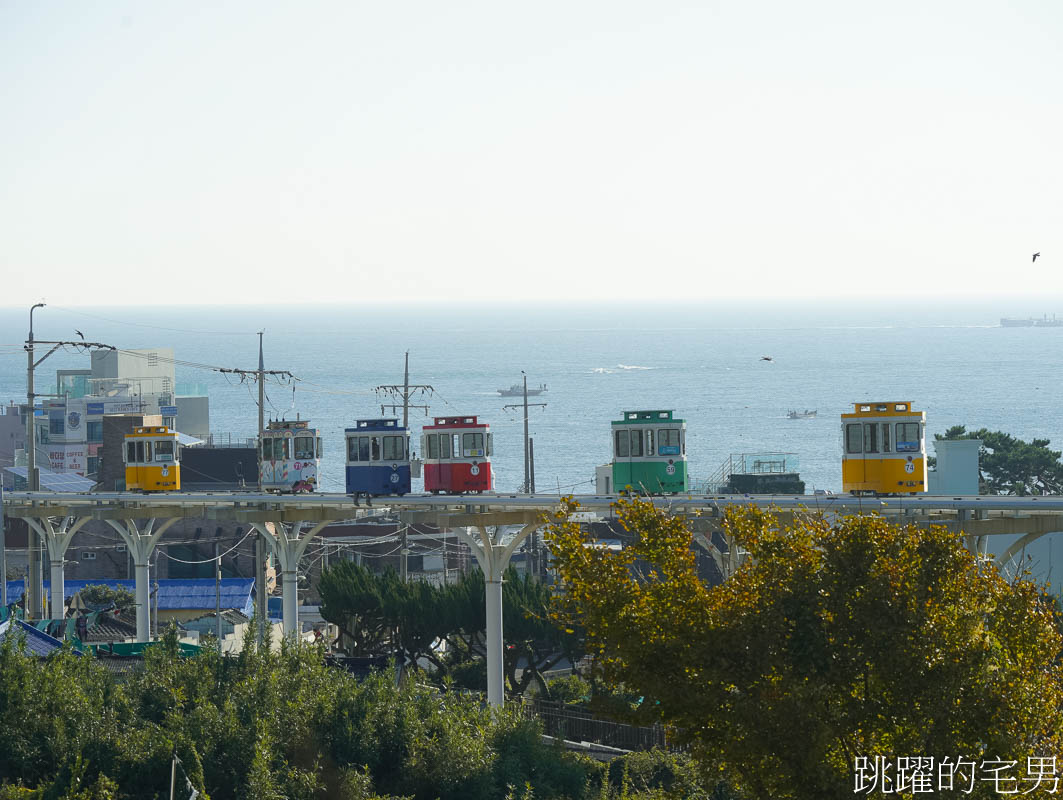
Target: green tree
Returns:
[[100, 596], [379, 614], [831, 642], [1011, 466]]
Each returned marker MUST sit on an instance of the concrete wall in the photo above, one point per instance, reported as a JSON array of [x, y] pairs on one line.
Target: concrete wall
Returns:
[[12, 434], [218, 468], [193, 416], [957, 467]]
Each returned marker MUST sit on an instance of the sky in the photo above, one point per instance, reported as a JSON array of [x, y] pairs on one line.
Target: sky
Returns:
[[253, 152]]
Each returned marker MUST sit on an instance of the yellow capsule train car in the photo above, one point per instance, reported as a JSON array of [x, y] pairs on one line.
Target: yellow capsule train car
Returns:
[[883, 449], [152, 460]]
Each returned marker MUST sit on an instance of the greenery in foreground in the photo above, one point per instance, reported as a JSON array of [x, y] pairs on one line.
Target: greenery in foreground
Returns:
[[281, 725], [831, 642]]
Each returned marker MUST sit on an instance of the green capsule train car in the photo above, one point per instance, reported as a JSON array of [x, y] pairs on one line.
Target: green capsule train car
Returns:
[[650, 453]]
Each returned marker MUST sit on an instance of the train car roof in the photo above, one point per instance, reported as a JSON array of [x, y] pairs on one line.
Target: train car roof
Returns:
[[455, 422], [151, 430], [894, 408], [372, 425], [288, 425], [644, 417]]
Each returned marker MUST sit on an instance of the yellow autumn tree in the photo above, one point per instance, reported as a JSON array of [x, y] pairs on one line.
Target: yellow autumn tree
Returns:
[[834, 642]]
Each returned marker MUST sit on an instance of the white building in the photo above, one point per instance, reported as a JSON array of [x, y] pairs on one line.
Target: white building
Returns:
[[69, 429]]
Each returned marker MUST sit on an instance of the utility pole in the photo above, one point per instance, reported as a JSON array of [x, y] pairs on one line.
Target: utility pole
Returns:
[[261, 403], [3, 550], [35, 587], [403, 393], [531, 459], [260, 376], [33, 573], [404, 552], [527, 487], [261, 597], [217, 592]]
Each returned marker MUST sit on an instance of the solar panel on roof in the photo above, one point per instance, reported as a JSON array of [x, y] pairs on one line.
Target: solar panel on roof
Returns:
[[56, 481]]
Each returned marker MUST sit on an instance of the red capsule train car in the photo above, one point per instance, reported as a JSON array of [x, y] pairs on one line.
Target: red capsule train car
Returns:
[[457, 456]]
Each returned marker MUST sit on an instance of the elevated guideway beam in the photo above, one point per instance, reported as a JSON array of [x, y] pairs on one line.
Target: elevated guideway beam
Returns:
[[288, 523], [183, 502]]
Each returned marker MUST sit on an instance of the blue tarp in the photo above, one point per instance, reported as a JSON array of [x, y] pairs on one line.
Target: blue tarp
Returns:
[[174, 593]]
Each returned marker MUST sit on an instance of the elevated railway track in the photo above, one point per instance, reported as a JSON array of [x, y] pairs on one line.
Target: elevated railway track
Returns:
[[288, 523]]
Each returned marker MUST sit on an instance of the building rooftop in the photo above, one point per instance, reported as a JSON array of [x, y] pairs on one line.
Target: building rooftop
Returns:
[[174, 593]]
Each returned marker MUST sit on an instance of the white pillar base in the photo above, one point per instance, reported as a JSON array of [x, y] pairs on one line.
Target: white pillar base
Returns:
[[495, 678], [143, 593], [290, 592], [57, 590]]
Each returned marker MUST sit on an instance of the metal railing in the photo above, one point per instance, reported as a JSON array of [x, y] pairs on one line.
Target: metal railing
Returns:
[[228, 440], [576, 724]]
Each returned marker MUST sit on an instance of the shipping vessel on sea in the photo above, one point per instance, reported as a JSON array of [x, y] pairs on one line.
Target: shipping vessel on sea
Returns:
[[1029, 322], [517, 390]]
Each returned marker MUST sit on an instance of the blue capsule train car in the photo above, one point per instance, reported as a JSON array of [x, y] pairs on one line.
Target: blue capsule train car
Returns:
[[378, 458]]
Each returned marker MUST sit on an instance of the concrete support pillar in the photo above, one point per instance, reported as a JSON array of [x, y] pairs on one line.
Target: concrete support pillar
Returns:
[[141, 542], [289, 542], [55, 534], [58, 589], [143, 595], [290, 601], [493, 557], [495, 674]]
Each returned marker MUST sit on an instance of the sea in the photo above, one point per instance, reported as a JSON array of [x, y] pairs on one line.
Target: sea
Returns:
[[705, 361]]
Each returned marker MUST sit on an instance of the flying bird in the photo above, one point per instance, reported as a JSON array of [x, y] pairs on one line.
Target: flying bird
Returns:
[[1035, 255], [766, 358], [79, 333]]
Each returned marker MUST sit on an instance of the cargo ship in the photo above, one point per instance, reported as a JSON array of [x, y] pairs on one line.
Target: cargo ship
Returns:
[[1030, 322]]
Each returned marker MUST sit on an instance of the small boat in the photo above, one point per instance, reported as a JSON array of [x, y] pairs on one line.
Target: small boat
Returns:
[[517, 390], [806, 414]]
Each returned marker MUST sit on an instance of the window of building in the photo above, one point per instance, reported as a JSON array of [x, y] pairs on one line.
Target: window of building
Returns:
[[854, 438], [394, 449], [668, 442], [94, 431], [304, 448], [908, 437], [92, 465], [55, 425], [472, 445], [870, 437], [88, 555]]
